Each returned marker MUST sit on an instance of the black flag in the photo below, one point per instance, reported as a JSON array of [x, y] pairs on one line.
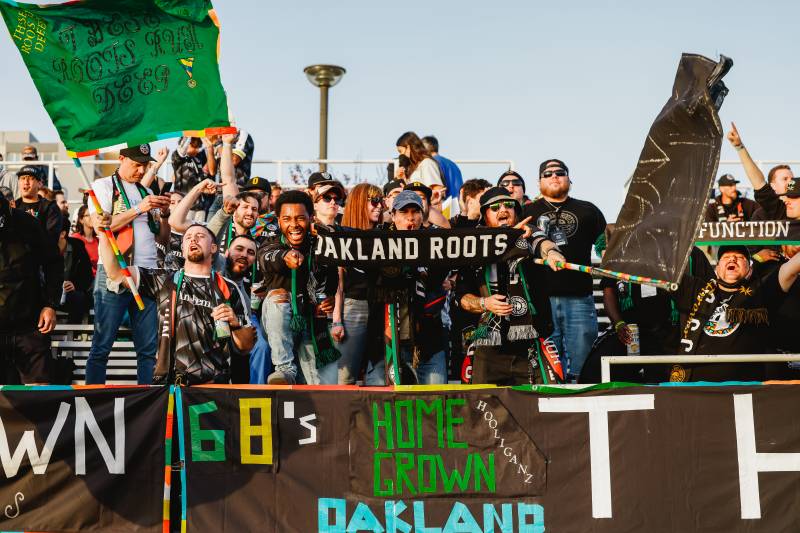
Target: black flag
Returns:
[[663, 209]]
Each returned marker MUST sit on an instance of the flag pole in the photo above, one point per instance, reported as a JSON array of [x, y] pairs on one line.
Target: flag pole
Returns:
[[121, 260], [642, 280]]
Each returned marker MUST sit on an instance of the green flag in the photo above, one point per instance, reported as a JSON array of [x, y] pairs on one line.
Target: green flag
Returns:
[[114, 73]]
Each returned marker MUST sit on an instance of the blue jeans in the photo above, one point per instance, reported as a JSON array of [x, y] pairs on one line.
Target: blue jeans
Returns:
[[260, 355], [276, 315], [109, 310], [432, 371], [575, 321], [355, 315]]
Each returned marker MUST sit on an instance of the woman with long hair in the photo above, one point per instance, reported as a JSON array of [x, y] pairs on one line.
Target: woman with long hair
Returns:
[[362, 211], [85, 232], [424, 167]]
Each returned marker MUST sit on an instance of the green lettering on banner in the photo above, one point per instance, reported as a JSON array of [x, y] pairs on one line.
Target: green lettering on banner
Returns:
[[386, 424], [405, 463], [454, 421], [381, 488], [455, 477], [399, 420], [198, 435], [435, 408], [480, 470], [431, 471]]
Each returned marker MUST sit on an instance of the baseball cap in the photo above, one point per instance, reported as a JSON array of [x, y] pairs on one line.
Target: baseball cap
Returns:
[[406, 198], [257, 184], [513, 173], [139, 153], [329, 186], [727, 179], [556, 163], [733, 248], [319, 178], [421, 187], [392, 185], [29, 170], [792, 189], [498, 194]]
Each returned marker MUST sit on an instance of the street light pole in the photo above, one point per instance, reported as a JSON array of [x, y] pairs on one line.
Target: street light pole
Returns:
[[324, 77]]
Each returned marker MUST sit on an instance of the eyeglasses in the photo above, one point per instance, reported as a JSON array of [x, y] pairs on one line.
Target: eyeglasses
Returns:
[[496, 206], [328, 198], [376, 201], [511, 183], [560, 173]]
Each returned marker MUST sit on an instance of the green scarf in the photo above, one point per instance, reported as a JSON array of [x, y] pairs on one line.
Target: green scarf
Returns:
[[324, 350]]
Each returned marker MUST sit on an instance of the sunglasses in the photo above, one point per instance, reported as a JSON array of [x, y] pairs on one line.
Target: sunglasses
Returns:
[[560, 173], [509, 183], [496, 207], [328, 198], [375, 201]]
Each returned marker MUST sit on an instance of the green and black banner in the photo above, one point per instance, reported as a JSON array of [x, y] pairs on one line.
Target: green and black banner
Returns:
[[410, 459]]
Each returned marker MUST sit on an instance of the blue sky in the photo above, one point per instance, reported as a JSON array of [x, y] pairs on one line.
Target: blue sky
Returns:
[[520, 80]]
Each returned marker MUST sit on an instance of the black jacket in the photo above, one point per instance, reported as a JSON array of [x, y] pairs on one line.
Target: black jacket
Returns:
[[77, 265], [31, 271]]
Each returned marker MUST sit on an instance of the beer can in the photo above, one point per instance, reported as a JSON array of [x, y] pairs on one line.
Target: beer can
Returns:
[[634, 348], [222, 330]]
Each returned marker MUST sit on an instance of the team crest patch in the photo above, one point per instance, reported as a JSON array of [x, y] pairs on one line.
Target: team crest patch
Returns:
[[522, 244], [677, 373], [188, 63], [518, 306], [144, 149]]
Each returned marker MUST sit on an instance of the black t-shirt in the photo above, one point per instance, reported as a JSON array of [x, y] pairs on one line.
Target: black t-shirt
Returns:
[[196, 353], [47, 213], [742, 207], [774, 208], [720, 336], [581, 223]]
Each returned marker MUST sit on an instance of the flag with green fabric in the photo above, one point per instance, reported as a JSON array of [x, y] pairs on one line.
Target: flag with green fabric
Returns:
[[118, 73]]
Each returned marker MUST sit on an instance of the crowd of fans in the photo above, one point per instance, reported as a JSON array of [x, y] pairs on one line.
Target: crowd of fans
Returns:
[[224, 264]]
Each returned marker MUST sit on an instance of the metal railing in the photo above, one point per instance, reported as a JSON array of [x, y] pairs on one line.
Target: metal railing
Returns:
[[607, 360]]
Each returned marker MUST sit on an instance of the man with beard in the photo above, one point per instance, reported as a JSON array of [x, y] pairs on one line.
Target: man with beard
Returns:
[[235, 218], [31, 275], [511, 181], [44, 211], [201, 313], [730, 314], [60, 199], [512, 300], [299, 296], [574, 226], [240, 268]]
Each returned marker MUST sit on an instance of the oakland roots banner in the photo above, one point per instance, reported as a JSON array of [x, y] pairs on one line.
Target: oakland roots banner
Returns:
[[432, 248], [666, 199], [117, 72], [76, 459], [461, 459]]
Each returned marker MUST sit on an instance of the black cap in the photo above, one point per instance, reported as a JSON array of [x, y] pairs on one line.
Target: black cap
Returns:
[[139, 153], [392, 185], [421, 187], [498, 194], [257, 184], [319, 178], [30, 170], [508, 173], [557, 163], [727, 179], [733, 248], [792, 189]]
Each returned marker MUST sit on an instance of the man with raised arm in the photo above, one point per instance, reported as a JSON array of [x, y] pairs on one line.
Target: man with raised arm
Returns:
[[201, 313]]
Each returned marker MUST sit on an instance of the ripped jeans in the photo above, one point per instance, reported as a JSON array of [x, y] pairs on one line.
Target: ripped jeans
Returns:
[[276, 315]]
